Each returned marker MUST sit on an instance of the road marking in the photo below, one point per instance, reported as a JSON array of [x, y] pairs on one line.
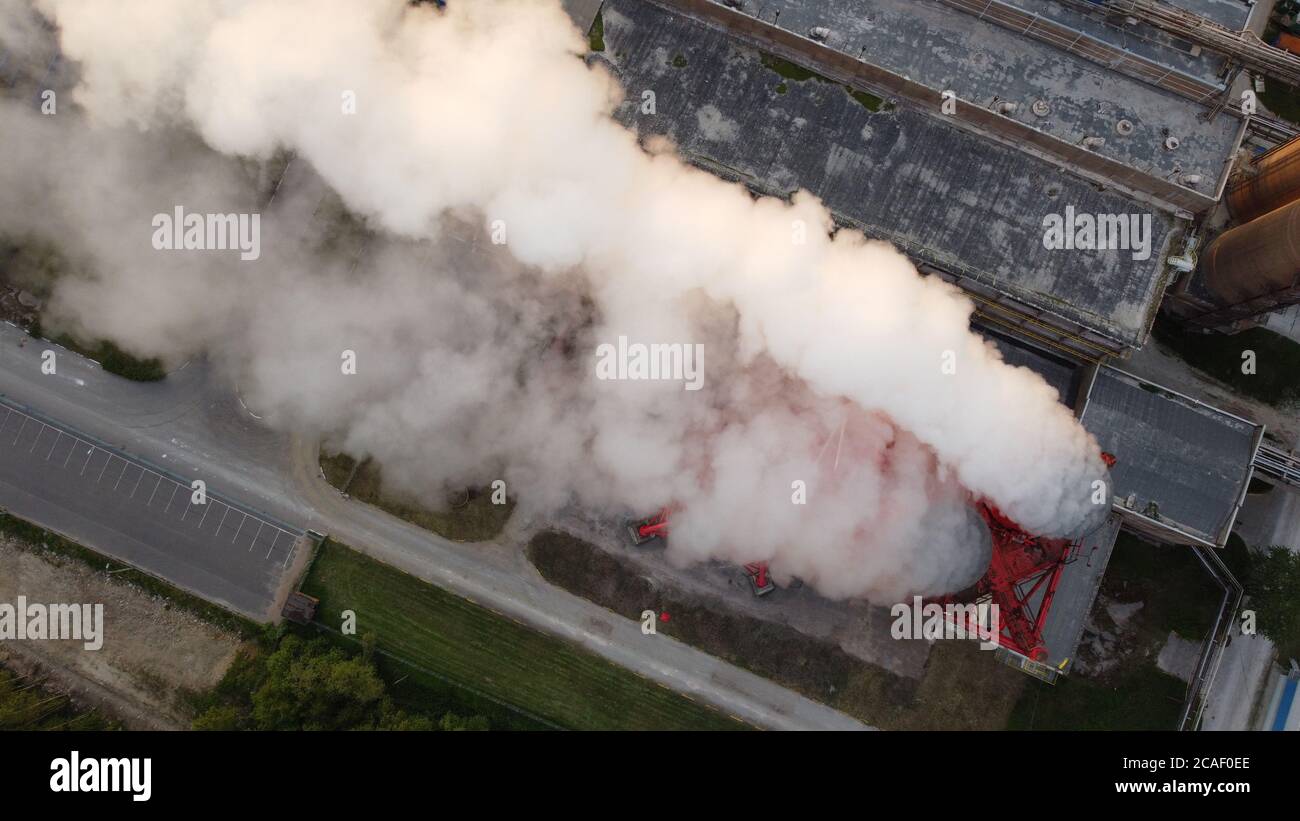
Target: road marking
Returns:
[[57, 439], [222, 522], [93, 450], [155, 490]]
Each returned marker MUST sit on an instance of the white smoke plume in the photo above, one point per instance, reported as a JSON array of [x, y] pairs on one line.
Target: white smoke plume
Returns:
[[823, 359]]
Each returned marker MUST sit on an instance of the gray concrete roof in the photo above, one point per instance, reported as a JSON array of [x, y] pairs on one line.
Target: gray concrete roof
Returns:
[[1147, 41], [942, 48], [947, 197], [1190, 460], [1075, 593]]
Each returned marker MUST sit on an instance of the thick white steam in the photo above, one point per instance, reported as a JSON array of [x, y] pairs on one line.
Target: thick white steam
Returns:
[[824, 356]]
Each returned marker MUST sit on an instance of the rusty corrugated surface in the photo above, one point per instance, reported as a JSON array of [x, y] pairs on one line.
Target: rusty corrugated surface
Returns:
[[1274, 181], [1258, 258]]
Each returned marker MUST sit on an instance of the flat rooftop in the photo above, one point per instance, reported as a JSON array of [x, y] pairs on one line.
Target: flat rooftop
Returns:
[[1062, 374], [1075, 593], [935, 45], [1185, 465], [947, 197]]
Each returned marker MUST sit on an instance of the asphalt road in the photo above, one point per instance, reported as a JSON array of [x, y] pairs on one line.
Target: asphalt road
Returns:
[[142, 514], [195, 427]]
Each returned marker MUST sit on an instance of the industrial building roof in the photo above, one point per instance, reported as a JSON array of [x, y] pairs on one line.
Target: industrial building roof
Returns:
[[1147, 41], [1060, 373], [1182, 467], [947, 197], [1075, 593], [931, 43]]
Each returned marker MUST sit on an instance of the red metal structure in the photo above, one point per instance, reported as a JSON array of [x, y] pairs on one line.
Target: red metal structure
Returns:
[[759, 581], [645, 530], [1021, 580], [656, 527]]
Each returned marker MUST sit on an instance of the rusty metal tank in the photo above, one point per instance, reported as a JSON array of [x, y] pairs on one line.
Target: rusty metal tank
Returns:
[[1257, 261], [1271, 181]]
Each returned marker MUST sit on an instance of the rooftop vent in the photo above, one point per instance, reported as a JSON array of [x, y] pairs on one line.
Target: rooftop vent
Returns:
[[819, 33], [1171, 143], [1040, 108], [1124, 128]]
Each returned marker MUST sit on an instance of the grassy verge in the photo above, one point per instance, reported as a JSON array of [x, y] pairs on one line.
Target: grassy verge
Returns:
[[596, 37], [31, 537], [795, 73], [963, 688], [1143, 699], [476, 519], [452, 649], [25, 705], [1277, 360], [110, 357]]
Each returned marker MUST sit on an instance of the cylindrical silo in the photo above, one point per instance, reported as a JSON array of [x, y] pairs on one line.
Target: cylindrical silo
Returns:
[[1258, 259], [1272, 182]]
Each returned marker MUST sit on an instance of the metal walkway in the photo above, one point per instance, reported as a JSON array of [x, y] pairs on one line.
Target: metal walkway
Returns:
[[1279, 464], [1088, 47], [1243, 47]]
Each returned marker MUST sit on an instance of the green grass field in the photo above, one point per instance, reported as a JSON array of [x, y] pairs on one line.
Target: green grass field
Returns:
[[446, 648]]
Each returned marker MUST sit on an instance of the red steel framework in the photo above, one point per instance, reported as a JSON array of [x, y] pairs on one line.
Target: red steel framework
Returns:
[[1022, 566]]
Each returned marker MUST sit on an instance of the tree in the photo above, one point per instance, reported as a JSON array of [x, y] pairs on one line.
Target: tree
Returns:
[[1274, 589], [311, 685]]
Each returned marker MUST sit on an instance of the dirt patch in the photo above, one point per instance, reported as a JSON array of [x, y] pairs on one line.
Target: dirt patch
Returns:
[[962, 687], [154, 654]]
